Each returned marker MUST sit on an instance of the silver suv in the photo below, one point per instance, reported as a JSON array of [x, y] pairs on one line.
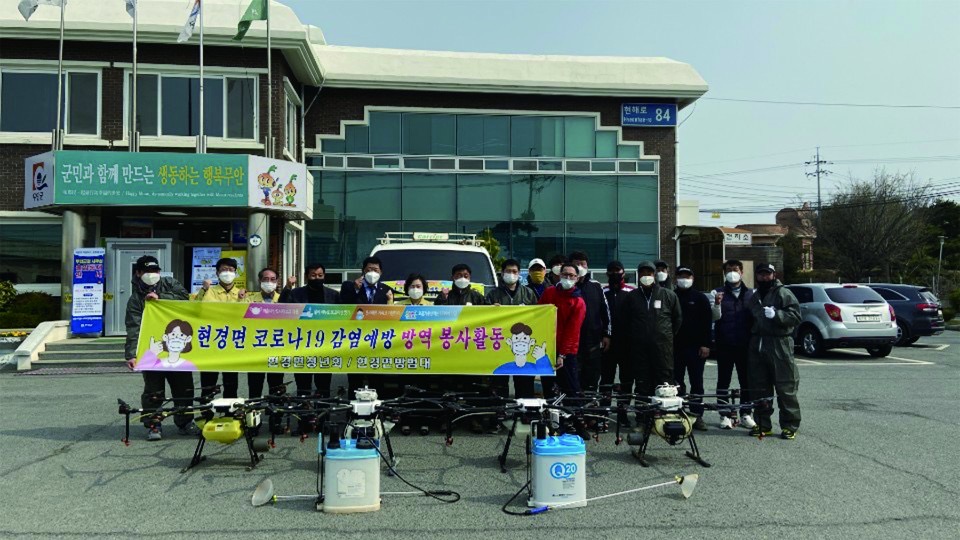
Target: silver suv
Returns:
[[849, 315]]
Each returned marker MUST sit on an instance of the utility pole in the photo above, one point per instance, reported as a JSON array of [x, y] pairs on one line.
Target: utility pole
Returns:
[[819, 171]]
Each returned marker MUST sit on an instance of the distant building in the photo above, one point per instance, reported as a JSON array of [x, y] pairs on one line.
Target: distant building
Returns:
[[799, 221]]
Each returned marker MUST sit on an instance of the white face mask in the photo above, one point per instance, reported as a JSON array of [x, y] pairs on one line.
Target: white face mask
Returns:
[[662, 276], [268, 286], [462, 283], [372, 277], [227, 277], [176, 341], [733, 277], [150, 279], [510, 278], [415, 292], [567, 283], [646, 281], [556, 270], [685, 283], [581, 271]]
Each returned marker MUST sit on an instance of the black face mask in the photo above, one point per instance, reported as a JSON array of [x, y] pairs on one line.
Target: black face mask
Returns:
[[315, 284], [764, 286], [614, 279]]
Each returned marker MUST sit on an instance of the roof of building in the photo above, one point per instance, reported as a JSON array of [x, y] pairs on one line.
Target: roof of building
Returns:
[[313, 61]]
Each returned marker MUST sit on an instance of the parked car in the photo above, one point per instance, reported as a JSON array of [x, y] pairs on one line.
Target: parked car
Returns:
[[919, 311], [848, 315]]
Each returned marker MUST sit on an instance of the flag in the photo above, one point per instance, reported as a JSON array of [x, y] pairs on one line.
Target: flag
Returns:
[[131, 7], [256, 11], [27, 7], [191, 22]]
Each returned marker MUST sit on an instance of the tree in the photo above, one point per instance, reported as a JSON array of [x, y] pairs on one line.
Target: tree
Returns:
[[492, 245], [792, 257], [872, 227]]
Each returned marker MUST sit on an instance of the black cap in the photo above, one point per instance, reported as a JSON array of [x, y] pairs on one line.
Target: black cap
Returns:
[[661, 264], [646, 264], [684, 270], [614, 266], [147, 263], [763, 268], [226, 261]]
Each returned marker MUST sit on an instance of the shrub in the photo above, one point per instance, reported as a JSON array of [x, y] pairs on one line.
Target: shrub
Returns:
[[34, 307], [20, 320], [7, 293]]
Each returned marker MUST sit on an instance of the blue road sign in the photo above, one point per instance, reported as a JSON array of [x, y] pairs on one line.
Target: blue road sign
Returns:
[[649, 114]]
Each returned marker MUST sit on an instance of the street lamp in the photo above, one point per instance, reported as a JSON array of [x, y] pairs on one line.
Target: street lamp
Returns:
[[939, 263]]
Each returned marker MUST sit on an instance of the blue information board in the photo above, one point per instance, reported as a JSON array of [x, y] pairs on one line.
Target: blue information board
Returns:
[[649, 114], [86, 316]]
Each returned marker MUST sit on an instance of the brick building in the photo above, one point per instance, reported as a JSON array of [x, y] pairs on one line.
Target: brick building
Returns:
[[530, 147]]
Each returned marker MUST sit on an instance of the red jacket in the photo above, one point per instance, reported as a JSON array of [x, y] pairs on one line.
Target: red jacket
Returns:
[[570, 314]]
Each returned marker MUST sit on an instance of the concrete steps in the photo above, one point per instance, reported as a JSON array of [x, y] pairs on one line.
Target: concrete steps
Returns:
[[80, 352]]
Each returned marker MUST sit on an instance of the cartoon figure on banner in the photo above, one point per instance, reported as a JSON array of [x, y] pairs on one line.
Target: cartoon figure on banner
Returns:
[[278, 196], [176, 340], [291, 191], [521, 343], [267, 182]]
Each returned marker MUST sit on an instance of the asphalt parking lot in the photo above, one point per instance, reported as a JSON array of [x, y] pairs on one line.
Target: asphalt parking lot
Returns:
[[876, 457]]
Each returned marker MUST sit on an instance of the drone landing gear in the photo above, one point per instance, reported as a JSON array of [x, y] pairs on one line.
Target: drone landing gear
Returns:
[[391, 457], [252, 450], [694, 452], [643, 439], [502, 459]]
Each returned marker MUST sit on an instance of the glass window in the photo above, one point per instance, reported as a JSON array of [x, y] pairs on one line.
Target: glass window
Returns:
[[533, 239], [357, 140], [482, 135], [434, 264], [84, 103], [804, 294], [638, 242], [430, 197], [429, 134], [241, 111], [591, 198], [386, 163], [606, 144], [537, 197], [359, 237], [360, 162], [501, 233], [30, 253], [291, 128], [853, 295], [580, 137], [597, 240], [536, 136], [471, 164], [637, 198], [334, 146], [429, 226], [603, 166], [483, 197], [384, 133], [148, 101], [496, 164], [38, 89], [416, 163], [181, 106], [628, 151], [324, 242], [329, 195], [373, 196]]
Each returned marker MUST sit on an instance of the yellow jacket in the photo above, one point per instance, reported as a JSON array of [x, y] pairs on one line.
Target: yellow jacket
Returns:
[[254, 297], [216, 293], [407, 302]]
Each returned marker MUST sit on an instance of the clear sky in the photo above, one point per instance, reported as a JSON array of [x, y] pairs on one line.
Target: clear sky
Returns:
[[902, 52]]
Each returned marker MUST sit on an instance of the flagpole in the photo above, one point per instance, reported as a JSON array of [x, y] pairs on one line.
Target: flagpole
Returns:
[[58, 133], [134, 132], [202, 146], [270, 145]]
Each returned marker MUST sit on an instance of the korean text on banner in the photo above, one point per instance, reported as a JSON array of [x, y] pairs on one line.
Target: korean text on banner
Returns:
[[323, 338], [86, 315]]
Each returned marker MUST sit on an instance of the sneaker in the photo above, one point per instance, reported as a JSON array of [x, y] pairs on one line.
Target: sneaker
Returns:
[[189, 430], [757, 431], [699, 424], [726, 423], [153, 433], [747, 421], [788, 434]]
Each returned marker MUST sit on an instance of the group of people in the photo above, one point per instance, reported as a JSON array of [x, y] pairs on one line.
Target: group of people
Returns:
[[659, 331]]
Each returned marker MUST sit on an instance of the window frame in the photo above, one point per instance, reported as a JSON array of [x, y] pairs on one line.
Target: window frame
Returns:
[[214, 74], [67, 70]]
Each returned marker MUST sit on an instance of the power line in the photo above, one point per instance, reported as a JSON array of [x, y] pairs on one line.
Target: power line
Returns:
[[819, 171], [955, 190], [825, 104]]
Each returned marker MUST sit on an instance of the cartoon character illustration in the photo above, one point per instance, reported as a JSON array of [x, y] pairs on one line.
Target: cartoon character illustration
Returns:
[[359, 315], [176, 340], [278, 197], [267, 182], [291, 191], [521, 343]]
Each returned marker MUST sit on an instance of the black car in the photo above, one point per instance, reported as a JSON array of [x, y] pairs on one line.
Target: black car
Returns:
[[919, 312]]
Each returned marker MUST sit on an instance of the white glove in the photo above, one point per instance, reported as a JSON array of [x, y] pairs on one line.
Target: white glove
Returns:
[[769, 312]]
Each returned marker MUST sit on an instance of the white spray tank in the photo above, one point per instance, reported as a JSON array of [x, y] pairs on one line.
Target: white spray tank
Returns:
[[558, 470], [351, 475]]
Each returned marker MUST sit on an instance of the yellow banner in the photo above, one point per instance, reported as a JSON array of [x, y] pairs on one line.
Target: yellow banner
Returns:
[[324, 338]]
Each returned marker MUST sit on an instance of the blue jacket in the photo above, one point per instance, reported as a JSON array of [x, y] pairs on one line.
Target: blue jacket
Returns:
[[735, 322]]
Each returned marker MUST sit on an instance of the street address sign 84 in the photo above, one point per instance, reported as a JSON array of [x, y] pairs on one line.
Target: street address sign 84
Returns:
[[649, 114]]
